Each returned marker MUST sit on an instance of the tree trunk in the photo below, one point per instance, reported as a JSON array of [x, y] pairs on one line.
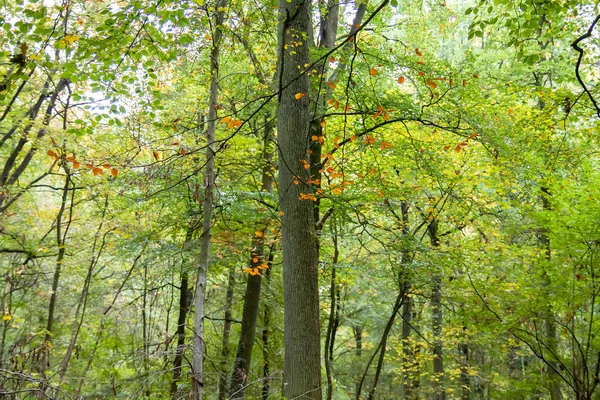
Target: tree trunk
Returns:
[[265, 333], [302, 360], [549, 324], [241, 368], [207, 205], [223, 392], [436, 321], [184, 306], [333, 317]]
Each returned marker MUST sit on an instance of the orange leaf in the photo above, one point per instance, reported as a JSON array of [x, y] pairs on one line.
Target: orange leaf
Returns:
[[298, 96], [457, 148], [259, 233], [369, 140], [347, 107], [464, 82], [421, 73], [182, 151], [114, 172], [475, 76], [90, 166], [51, 153], [372, 72], [385, 145], [418, 53], [155, 154], [75, 164], [225, 119], [97, 171], [106, 166], [451, 82], [401, 80]]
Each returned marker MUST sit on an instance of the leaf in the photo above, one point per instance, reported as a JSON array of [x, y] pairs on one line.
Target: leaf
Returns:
[[6, 317], [300, 95], [418, 52], [97, 171], [259, 233], [401, 80], [89, 166], [225, 119], [372, 72], [76, 164], [51, 153], [457, 148], [182, 151], [369, 140], [421, 73], [106, 166], [114, 172], [155, 154]]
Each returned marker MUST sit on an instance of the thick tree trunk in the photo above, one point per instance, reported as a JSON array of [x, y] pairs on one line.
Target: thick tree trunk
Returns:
[[241, 368], [207, 205], [302, 360]]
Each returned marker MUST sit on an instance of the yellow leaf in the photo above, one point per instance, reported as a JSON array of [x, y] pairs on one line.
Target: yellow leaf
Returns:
[[7, 317], [298, 96], [259, 233]]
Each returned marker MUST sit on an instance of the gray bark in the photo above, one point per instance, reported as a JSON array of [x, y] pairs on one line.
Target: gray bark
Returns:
[[207, 205]]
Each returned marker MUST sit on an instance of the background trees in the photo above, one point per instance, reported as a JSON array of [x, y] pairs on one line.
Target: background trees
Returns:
[[432, 232]]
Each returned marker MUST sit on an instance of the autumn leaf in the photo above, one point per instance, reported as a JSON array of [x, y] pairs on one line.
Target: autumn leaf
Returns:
[[385, 145], [106, 166], [457, 148], [421, 73], [114, 172], [372, 72], [76, 164], [155, 154], [259, 233], [369, 140], [298, 96], [225, 119], [401, 80], [418, 52], [97, 171], [182, 151]]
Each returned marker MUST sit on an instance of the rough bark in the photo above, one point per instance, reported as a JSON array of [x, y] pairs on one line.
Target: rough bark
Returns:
[[302, 371], [207, 204]]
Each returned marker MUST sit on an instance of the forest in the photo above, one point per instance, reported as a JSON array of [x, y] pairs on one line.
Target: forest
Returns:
[[294, 199]]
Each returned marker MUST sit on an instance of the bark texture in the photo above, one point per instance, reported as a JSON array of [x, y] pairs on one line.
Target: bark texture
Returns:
[[302, 371]]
